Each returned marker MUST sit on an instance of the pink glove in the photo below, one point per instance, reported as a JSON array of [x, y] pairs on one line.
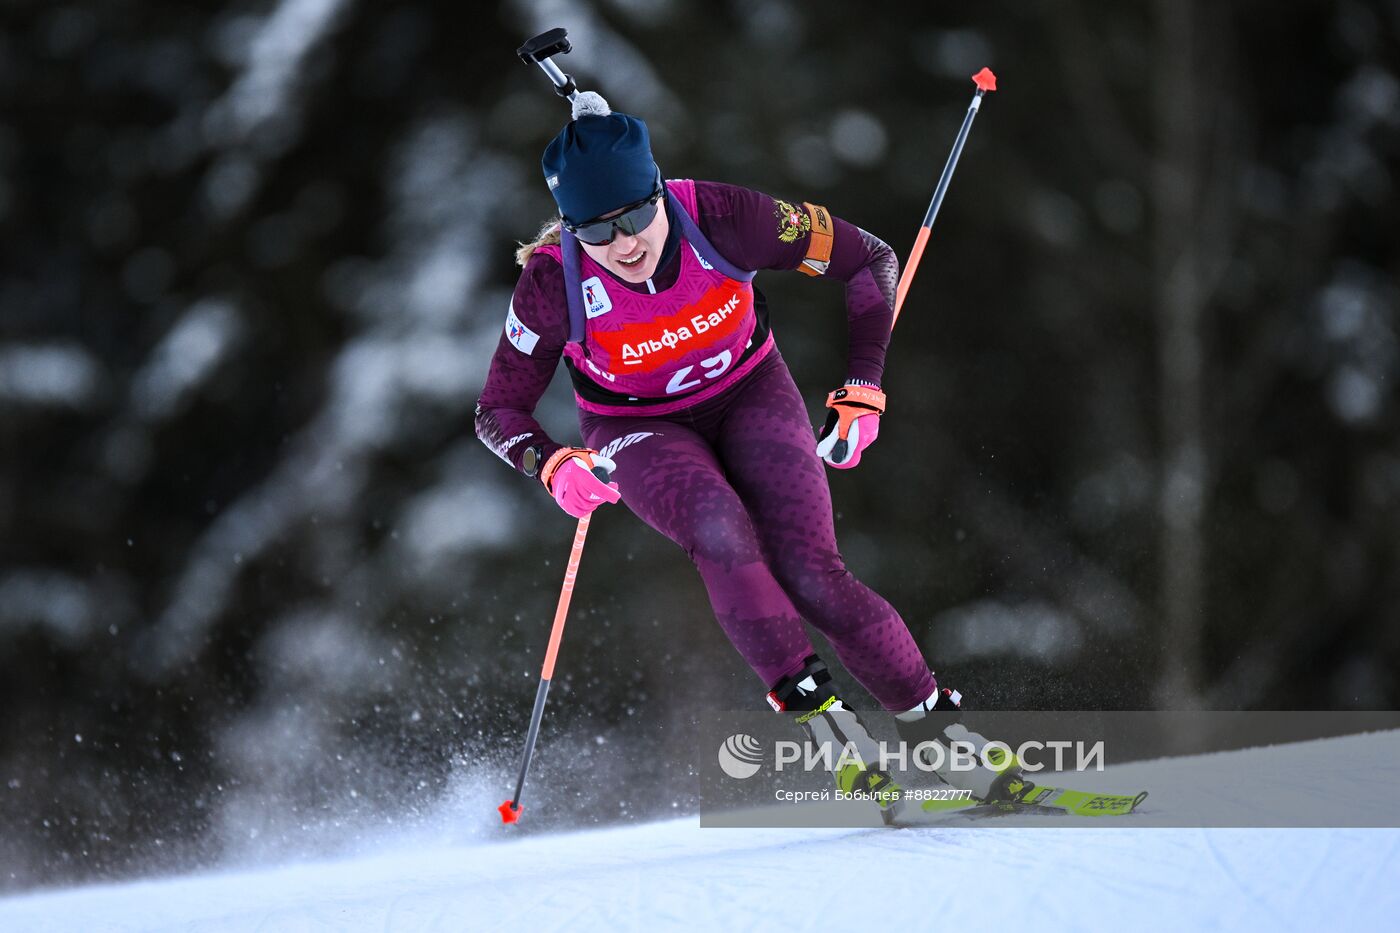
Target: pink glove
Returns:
[[852, 425], [568, 477]]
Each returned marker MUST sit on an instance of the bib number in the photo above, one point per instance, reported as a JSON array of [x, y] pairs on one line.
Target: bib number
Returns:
[[717, 365]]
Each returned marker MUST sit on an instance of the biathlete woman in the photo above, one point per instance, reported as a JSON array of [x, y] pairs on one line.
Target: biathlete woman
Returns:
[[644, 286]]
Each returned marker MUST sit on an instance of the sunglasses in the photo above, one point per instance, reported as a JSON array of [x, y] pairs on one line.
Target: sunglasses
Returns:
[[633, 220]]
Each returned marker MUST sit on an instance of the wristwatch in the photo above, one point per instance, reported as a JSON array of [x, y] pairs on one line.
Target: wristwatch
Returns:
[[532, 459]]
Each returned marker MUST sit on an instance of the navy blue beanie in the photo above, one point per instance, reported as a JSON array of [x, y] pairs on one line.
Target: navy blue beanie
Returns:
[[599, 162]]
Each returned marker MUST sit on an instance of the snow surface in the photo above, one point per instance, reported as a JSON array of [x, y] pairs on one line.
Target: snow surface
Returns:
[[675, 875]]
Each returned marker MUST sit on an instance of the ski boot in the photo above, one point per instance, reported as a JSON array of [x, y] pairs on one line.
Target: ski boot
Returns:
[[996, 777], [830, 724]]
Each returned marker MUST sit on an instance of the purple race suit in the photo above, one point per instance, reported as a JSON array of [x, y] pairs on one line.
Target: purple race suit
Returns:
[[679, 381]]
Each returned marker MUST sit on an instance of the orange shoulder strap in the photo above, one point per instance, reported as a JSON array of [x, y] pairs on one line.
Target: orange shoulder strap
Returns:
[[823, 235]]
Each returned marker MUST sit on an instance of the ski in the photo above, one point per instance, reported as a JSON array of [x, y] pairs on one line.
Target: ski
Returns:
[[1039, 801], [1081, 802]]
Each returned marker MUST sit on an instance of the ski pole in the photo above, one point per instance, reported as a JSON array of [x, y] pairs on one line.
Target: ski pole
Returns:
[[985, 81], [510, 810]]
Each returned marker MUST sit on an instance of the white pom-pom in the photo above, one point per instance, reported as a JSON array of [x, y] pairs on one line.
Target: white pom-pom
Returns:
[[590, 104]]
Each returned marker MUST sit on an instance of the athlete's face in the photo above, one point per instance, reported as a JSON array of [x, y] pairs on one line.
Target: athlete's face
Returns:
[[633, 258]]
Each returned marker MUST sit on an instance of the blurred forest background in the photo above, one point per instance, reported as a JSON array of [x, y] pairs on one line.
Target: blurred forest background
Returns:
[[259, 585]]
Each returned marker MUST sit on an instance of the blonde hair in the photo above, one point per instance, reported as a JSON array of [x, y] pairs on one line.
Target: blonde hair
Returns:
[[548, 235]]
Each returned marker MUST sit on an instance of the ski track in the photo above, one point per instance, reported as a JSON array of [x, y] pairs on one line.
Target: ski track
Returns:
[[1059, 878], [1265, 908], [675, 875]]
